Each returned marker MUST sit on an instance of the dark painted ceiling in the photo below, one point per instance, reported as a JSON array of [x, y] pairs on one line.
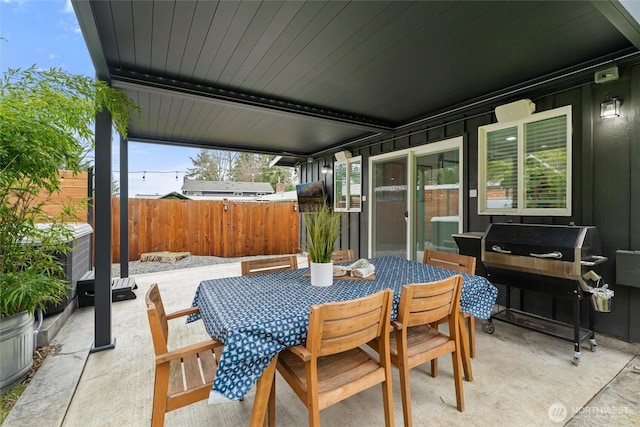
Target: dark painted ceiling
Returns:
[[300, 78]]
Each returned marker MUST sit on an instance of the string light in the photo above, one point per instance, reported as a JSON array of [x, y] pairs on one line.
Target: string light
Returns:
[[144, 173]]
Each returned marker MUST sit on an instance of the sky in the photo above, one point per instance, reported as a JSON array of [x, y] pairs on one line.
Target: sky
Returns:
[[46, 33]]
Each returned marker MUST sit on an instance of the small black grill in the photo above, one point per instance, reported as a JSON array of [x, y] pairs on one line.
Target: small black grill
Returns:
[[552, 259]]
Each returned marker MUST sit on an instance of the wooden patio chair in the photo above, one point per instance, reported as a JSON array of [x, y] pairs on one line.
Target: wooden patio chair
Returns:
[[415, 342], [184, 375], [268, 265], [463, 264], [331, 366], [343, 255]]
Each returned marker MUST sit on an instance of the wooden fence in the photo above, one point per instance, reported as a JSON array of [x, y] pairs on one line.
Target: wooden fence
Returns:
[[201, 227], [73, 191], [217, 228]]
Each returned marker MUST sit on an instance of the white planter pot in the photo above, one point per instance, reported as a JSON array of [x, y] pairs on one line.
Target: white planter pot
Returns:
[[16, 349], [321, 273]]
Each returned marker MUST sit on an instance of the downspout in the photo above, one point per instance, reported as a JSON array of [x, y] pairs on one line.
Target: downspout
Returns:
[[40, 316]]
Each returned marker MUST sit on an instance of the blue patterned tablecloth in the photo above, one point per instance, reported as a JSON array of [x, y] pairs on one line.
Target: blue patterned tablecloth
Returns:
[[258, 316]]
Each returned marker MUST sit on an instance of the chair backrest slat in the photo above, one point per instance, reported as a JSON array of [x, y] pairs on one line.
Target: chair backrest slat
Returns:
[[343, 255], [267, 265], [457, 262], [423, 303], [157, 319], [340, 326]]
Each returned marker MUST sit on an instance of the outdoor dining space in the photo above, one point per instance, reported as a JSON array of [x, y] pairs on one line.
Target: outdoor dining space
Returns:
[[519, 377], [407, 126]]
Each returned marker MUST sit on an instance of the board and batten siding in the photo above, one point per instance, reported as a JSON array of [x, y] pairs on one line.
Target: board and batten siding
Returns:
[[605, 182]]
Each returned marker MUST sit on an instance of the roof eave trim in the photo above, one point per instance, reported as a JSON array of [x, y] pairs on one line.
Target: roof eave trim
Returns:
[[88, 24]]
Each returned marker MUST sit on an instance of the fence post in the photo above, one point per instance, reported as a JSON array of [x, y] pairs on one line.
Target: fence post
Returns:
[[225, 228]]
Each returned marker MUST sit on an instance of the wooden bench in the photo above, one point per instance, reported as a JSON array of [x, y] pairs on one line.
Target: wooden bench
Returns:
[[121, 289]]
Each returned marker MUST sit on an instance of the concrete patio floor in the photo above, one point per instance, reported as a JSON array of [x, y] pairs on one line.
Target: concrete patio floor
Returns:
[[520, 377]]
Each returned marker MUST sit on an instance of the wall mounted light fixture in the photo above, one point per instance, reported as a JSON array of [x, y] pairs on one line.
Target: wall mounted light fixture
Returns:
[[144, 175], [610, 107], [325, 168]]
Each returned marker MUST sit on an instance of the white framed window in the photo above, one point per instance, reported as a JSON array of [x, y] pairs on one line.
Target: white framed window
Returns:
[[347, 185], [525, 165]]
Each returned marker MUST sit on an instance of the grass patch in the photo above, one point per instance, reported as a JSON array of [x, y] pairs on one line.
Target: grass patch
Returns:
[[10, 399]]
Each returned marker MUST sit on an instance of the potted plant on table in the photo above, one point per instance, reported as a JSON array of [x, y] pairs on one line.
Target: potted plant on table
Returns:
[[47, 118], [322, 228]]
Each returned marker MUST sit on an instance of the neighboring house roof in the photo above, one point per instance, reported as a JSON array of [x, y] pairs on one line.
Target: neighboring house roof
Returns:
[[193, 185], [174, 195]]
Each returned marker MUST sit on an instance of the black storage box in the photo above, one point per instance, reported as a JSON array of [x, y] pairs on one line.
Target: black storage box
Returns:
[[121, 289]]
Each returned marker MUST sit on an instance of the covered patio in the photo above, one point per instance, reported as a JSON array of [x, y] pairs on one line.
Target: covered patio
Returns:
[[520, 377], [306, 80]]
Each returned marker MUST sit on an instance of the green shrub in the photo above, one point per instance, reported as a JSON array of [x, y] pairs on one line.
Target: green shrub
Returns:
[[47, 121]]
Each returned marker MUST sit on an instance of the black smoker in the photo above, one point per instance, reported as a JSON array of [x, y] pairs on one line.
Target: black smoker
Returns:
[[553, 259]]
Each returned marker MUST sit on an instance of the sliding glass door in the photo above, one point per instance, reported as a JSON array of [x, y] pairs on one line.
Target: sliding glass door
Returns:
[[437, 201], [405, 223], [389, 204]]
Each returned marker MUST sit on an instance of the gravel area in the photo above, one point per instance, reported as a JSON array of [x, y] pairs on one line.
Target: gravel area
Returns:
[[137, 267]]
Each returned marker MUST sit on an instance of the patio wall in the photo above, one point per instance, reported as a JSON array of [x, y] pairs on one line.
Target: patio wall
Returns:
[[221, 228], [605, 179]]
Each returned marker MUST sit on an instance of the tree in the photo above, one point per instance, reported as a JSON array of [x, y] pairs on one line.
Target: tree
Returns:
[[44, 116], [249, 167], [217, 165], [279, 174], [115, 187], [206, 167], [212, 165], [226, 159]]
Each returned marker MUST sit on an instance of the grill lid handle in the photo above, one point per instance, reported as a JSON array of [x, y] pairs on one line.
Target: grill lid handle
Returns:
[[500, 250], [598, 259], [554, 254]]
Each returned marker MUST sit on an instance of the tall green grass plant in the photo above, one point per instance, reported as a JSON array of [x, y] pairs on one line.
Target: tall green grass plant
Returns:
[[322, 228]]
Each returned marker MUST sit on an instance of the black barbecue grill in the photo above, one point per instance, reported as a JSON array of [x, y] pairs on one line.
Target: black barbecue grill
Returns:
[[552, 259]]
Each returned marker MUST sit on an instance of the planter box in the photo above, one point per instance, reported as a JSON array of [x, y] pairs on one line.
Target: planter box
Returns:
[[16, 349]]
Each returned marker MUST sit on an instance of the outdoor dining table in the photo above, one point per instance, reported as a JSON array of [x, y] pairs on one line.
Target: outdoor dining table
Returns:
[[257, 316]]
